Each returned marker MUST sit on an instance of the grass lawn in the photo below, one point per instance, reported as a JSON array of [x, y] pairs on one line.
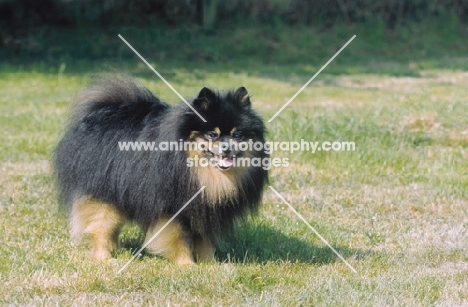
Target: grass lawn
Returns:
[[396, 208]]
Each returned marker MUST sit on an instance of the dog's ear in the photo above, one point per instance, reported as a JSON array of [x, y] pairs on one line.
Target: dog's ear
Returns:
[[205, 99], [242, 96]]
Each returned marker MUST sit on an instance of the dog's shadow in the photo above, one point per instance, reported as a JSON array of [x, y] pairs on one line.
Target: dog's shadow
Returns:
[[260, 243]]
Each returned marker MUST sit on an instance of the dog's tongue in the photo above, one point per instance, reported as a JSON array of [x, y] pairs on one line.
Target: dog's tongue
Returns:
[[225, 162]]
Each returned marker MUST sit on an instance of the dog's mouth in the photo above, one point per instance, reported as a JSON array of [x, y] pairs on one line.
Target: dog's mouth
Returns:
[[223, 161]]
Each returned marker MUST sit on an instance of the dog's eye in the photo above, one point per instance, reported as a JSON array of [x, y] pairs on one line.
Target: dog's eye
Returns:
[[237, 135], [211, 135]]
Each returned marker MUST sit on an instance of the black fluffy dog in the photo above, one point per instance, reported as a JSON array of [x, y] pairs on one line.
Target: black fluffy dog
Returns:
[[102, 184]]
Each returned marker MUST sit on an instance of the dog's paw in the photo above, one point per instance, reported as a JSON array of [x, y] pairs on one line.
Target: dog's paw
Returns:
[[101, 255]]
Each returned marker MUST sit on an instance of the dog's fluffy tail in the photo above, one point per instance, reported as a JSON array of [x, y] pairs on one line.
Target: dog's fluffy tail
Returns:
[[110, 89]]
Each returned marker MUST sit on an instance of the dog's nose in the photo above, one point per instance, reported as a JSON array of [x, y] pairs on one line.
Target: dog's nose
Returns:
[[217, 150]]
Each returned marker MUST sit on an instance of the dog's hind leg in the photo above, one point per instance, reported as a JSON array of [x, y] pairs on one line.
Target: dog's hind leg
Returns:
[[172, 242], [100, 220]]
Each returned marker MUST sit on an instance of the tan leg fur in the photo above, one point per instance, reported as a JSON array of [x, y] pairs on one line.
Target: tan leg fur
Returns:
[[172, 243], [102, 221], [203, 250]]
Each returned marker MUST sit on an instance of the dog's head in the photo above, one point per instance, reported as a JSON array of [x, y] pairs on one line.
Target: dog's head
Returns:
[[232, 129]]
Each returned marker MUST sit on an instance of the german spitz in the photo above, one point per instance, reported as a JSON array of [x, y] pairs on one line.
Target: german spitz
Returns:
[[102, 184]]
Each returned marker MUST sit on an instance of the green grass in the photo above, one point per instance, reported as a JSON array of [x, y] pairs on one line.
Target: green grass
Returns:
[[400, 51], [395, 208]]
